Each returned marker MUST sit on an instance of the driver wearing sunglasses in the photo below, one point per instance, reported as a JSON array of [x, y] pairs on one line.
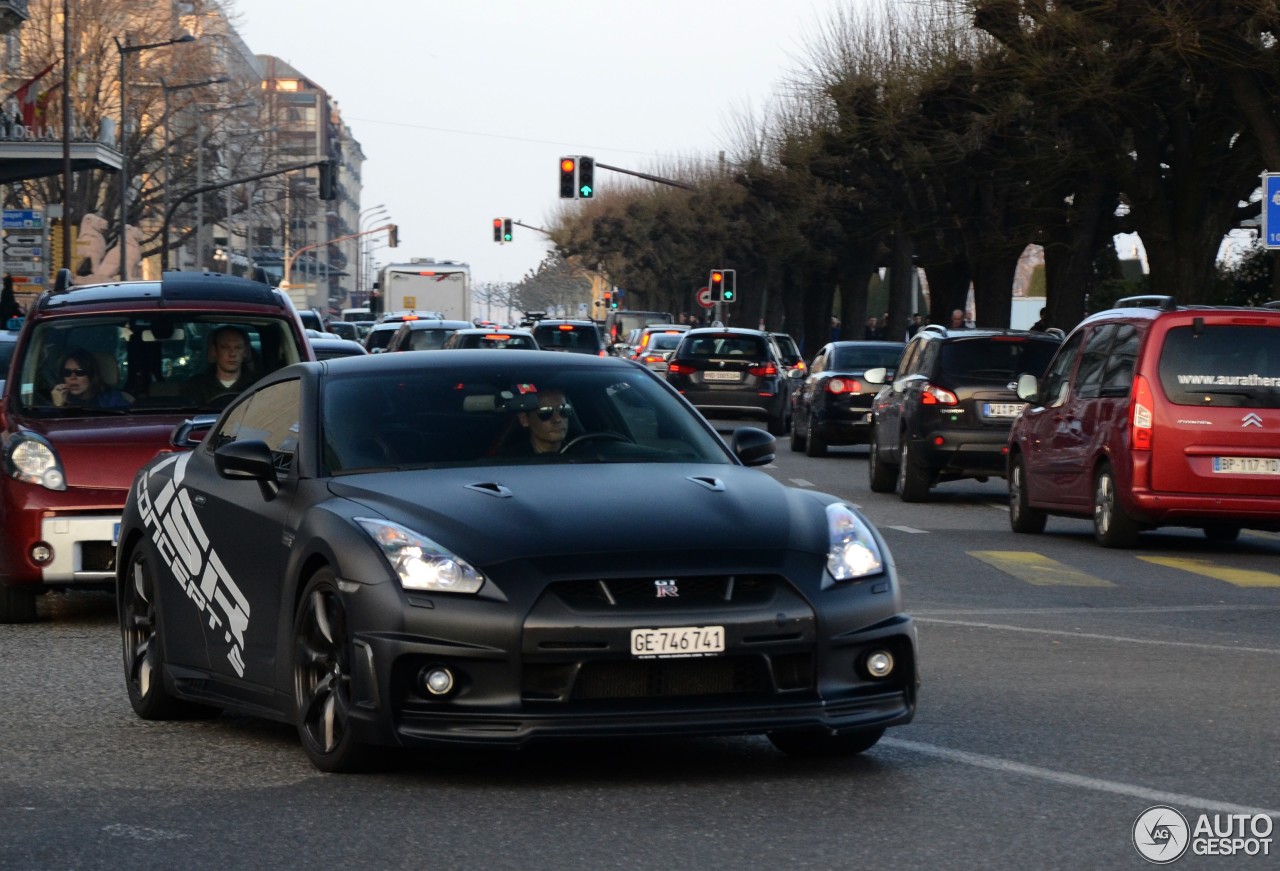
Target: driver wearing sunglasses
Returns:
[[547, 424]]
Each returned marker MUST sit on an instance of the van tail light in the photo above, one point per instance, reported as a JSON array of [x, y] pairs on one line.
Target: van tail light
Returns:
[[844, 385], [768, 370], [934, 395], [682, 368], [602, 353], [1141, 416]]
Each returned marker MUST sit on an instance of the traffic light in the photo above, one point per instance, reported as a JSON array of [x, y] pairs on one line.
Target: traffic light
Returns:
[[608, 299], [506, 229], [729, 290], [497, 229], [586, 178], [329, 180], [568, 178], [715, 284], [393, 236]]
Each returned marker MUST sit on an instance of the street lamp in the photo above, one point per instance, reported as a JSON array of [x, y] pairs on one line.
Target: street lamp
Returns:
[[380, 212], [125, 50], [169, 89]]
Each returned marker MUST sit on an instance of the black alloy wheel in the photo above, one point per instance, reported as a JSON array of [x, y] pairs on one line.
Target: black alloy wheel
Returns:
[[322, 678], [913, 481]]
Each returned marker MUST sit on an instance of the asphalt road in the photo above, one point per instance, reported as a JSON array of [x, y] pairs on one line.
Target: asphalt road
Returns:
[[1066, 690]]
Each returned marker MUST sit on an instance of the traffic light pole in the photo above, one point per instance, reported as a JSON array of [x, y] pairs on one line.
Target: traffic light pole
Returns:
[[288, 264], [644, 175], [531, 227]]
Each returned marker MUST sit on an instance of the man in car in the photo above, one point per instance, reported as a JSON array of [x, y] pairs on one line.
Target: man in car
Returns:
[[547, 425], [230, 368]]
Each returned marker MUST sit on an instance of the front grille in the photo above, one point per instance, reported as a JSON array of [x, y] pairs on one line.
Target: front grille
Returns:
[[614, 679], [715, 590], [97, 556]]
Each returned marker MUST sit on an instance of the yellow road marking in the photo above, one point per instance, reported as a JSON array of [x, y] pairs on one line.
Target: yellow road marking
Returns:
[[1204, 568], [1038, 569]]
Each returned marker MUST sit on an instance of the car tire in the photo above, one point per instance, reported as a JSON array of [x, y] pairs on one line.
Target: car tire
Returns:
[[883, 476], [778, 424], [811, 743], [1022, 517], [1221, 533], [1111, 526], [817, 446], [322, 679], [913, 482], [798, 442], [143, 646], [17, 605]]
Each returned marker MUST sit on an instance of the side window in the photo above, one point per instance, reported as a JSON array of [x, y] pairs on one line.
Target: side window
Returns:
[[819, 363], [272, 415], [1088, 380], [1117, 377], [907, 365], [1052, 392]]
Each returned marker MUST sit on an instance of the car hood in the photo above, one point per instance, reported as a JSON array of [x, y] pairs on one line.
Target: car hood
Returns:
[[105, 452], [495, 514]]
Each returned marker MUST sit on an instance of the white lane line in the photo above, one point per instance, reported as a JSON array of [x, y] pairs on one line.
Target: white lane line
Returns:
[[801, 482], [1155, 796], [999, 506], [1122, 639], [910, 529]]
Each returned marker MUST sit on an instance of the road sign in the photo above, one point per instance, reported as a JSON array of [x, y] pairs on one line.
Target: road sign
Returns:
[[21, 267], [704, 298], [23, 219], [19, 251], [12, 238], [1271, 209]]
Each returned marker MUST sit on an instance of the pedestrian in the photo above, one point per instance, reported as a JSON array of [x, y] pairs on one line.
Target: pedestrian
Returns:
[[914, 326], [9, 307], [1043, 324], [873, 331]]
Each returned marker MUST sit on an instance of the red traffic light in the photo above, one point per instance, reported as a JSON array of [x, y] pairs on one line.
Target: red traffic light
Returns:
[[566, 164], [717, 277]]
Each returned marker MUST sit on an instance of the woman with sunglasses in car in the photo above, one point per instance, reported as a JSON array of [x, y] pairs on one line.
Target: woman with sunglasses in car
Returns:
[[82, 386], [547, 423]]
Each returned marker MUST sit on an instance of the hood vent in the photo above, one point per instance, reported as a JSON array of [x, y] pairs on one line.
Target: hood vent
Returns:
[[713, 484], [491, 489]]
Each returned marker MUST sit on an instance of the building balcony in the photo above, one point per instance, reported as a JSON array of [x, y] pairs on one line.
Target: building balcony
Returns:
[[12, 14]]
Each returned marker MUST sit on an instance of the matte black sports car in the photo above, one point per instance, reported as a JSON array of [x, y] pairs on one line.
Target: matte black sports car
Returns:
[[379, 550]]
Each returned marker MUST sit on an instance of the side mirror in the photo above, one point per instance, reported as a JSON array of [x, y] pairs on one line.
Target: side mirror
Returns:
[[796, 374], [1028, 387], [249, 460], [878, 375], [753, 446], [191, 432]]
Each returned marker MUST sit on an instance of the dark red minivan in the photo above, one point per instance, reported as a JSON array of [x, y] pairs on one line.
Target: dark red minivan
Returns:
[[100, 377], [1154, 414]]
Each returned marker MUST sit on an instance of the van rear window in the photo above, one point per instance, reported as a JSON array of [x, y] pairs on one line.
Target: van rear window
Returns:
[[1233, 365]]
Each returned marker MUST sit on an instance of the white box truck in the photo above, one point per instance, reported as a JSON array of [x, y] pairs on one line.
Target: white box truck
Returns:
[[426, 285]]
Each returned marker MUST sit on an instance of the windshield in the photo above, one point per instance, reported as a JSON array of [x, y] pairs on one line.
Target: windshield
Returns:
[[437, 417], [120, 364], [1228, 364]]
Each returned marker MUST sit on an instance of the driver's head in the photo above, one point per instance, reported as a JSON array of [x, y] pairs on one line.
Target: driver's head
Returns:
[[548, 423], [228, 350]]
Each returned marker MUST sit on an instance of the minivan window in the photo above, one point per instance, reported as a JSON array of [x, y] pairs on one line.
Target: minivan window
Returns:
[[1232, 365], [1117, 378], [1052, 392], [1093, 361]]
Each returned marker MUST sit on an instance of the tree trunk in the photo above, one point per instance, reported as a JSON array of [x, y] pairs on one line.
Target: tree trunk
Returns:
[[1071, 248]]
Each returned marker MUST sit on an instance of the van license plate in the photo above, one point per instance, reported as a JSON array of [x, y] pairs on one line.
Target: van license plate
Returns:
[[1247, 465], [677, 641], [1002, 409]]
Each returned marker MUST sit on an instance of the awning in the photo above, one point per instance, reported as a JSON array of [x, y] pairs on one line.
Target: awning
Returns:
[[22, 159]]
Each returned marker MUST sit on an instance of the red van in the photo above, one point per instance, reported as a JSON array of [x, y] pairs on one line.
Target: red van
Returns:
[[1154, 414], [100, 376]]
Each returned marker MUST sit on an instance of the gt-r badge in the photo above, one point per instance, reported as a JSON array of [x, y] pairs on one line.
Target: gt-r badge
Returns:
[[666, 589], [1251, 419]]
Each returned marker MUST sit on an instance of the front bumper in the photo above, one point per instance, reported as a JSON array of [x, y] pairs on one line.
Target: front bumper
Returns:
[[80, 527], [566, 671]]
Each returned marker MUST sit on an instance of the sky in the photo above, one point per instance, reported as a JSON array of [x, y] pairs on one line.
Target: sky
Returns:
[[463, 108]]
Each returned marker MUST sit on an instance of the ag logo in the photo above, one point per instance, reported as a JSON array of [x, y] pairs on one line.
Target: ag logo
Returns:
[[1161, 834]]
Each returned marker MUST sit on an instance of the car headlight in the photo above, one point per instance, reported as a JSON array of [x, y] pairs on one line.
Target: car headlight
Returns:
[[853, 550], [32, 459], [419, 562]]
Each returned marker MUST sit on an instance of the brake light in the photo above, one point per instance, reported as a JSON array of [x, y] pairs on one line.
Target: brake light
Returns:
[[934, 395], [565, 328], [653, 358], [1141, 416], [844, 385], [497, 337], [682, 368], [768, 370]]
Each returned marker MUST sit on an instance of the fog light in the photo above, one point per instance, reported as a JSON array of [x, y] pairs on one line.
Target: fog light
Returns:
[[437, 680], [879, 663], [41, 554]]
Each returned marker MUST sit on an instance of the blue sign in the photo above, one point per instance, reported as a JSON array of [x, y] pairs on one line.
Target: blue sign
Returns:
[[1271, 209], [28, 219]]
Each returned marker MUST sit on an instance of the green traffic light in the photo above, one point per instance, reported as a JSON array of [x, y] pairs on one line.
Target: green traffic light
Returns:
[[585, 192], [506, 237]]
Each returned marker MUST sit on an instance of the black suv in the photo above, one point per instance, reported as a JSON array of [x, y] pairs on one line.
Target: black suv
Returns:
[[574, 336], [733, 372], [947, 413]]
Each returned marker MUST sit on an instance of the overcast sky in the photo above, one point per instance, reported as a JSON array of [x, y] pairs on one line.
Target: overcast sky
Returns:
[[464, 107]]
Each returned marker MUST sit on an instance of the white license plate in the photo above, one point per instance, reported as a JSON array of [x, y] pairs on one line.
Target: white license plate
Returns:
[[1002, 409], [115, 535], [721, 376], [1247, 465], [677, 641]]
